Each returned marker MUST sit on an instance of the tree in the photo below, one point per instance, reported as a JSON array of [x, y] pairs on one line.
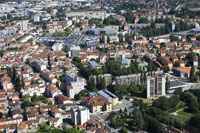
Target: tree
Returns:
[[191, 101], [121, 38], [173, 38], [102, 39], [178, 91], [193, 77], [195, 121], [104, 107], [152, 125], [91, 84], [22, 80], [108, 39], [137, 123], [124, 130], [167, 84], [127, 37], [190, 58]]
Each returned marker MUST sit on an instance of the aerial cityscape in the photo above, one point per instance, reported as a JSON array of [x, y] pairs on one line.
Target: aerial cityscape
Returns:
[[100, 66]]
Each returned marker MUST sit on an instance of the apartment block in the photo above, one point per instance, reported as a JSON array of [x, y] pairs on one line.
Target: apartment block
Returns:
[[79, 115], [155, 86], [128, 79]]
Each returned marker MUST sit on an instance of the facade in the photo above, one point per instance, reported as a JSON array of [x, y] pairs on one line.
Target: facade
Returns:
[[182, 71], [97, 104], [34, 89], [99, 31], [107, 77], [24, 25], [79, 115], [74, 84], [57, 47], [39, 65], [128, 79], [167, 62], [155, 86]]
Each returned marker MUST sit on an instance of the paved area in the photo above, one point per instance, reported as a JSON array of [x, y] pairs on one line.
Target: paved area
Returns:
[[122, 105]]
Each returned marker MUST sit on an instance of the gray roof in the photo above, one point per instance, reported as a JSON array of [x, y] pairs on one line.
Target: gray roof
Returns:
[[125, 61], [107, 94], [93, 64], [176, 83]]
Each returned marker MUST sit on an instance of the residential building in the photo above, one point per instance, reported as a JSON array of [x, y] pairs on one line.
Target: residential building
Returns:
[[107, 77], [24, 25], [128, 79], [156, 85], [97, 104], [166, 62], [52, 91], [55, 122], [61, 99], [33, 89], [79, 115], [74, 83]]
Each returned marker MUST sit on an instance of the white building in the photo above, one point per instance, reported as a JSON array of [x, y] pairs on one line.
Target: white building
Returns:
[[24, 25], [79, 115], [155, 86], [74, 83], [36, 18], [39, 65], [34, 89], [57, 47]]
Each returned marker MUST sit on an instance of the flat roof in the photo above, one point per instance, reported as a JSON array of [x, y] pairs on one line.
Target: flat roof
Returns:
[[107, 94]]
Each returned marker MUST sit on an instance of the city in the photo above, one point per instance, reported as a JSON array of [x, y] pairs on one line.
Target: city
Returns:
[[99, 66]]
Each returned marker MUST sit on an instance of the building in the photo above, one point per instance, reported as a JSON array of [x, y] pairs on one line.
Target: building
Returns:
[[166, 62], [24, 25], [103, 31], [39, 65], [79, 115], [169, 129], [97, 104], [93, 64], [155, 86], [52, 91], [37, 18], [107, 77], [175, 84], [57, 46], [109, 96], [61, 99], [74, 83], [125, 62], [128, 79], [195, 61], [182, 71]]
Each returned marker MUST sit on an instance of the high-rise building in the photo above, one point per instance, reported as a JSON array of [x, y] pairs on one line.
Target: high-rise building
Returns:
[[79, 115], [74, 83], [155, 86], [24, 25]]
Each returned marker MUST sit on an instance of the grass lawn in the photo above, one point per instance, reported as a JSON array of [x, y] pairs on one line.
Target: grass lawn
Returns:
[[148, 101], [183, 116], [180, 105]]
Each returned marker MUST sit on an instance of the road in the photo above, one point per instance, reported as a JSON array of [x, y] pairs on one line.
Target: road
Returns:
[[105, 124]]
